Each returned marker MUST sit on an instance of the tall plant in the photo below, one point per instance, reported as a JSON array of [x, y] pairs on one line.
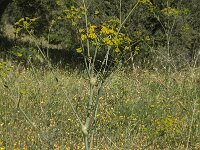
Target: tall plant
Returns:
[[107, 37]]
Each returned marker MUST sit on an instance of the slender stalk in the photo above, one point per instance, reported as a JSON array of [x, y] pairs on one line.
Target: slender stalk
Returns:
[[120, 11], [90, 66], [95, 112], [48, 41], [104, 61], [87, 40], [112, 142], [86, 142], [37, 45], [75, 113], [94, 58], [89, 109], [191, 124], [129, 14], [168, 36]]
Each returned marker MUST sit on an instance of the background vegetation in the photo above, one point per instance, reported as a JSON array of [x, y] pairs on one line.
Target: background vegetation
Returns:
[[149, 27], [151, 95]]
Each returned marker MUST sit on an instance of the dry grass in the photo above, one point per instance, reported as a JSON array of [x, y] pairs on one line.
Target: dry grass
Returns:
[[139, 110]]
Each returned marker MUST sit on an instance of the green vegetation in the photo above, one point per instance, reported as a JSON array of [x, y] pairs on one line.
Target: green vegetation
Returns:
[[99, 75], [138, 110]]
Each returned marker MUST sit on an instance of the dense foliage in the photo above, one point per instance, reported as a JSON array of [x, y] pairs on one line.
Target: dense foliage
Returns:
[[163, 33]]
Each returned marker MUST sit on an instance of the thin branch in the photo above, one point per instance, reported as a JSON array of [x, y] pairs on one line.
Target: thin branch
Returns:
[[129, 14], [75, 113], [191, 124], [120, 11], [96, 111], [87, 40], [112, 142]]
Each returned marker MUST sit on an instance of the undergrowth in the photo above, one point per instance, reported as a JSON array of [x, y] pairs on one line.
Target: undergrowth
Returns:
[[138, 110]]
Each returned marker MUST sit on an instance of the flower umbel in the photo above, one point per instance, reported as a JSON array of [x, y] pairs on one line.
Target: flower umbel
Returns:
[[79, 50]]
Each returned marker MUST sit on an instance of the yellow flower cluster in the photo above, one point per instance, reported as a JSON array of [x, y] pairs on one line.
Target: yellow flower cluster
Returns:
[[111, 36], [185, 28], [136, 50], [167, 124], [83, 37], [107, 34], [147, 3], [138, 33], [107, 41], [74, 14], [24, 23], [79, 50], [147, 38], [90, 35], [91, 32], [106, 30], [169, 11]]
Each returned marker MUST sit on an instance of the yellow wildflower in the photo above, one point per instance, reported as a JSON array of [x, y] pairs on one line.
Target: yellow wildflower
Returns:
[[127, 39], [138, 33], [17, 30], [19, 54], [112, 31], [116, 40], [72, 7], [79, 50], [73, 12], [17, 23], [73, 23], [117, 50], [80, 30], [169, 11], [25, 24], [83, 37], [68, 16], [107, 41], [33, 19], [104, 30], [92, 28], [53, 22], [79, 16], [92, 35], [147, 38], [76, 9], [137, 48], [126, 48], [96, 12], [83, 12], [22, 19], [82, 7]]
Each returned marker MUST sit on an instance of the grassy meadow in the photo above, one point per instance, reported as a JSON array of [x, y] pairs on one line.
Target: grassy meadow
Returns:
[[138, 110], [66, 81]]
